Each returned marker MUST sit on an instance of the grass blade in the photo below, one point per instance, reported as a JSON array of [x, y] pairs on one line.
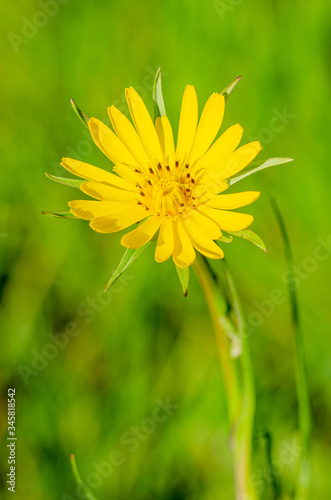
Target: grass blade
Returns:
[[305, 466]]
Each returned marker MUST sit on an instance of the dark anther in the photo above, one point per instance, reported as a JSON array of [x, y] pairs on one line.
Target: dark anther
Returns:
[[168, 168]]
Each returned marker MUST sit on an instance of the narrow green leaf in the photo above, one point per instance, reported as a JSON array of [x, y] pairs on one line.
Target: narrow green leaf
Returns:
[[269, 163], [184, 277], [249, 235], [82, 116], [130, 255], [60, 215], [159, 108], [266, 443], [304, 478], [88, 493], [228, 89], [63, 180]]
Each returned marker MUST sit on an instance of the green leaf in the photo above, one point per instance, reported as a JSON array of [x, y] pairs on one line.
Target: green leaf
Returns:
[[159, 108], [63, 180], [184, 277], [87, 492], [60, 215], [249, 235], [82, 116], [265, 164], [130, 255], [228, 89]]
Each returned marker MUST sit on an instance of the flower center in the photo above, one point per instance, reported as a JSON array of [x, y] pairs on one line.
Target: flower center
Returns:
[[169, 190]]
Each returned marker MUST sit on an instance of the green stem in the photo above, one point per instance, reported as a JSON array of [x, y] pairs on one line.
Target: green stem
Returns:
[[244, 432], [217, 309], [240, 396], [305, 425]]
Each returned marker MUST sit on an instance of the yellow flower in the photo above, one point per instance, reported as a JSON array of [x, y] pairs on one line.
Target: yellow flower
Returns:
[[172, 191]]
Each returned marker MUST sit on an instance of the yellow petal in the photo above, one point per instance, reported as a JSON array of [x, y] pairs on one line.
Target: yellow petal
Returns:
[[90, 209], [128, 135], [239, 159], [91, 173], [184, 253], [229, 221], [165, 242], [237, 200], [212, 184], [188, 122], [205, 225], [159, 131], [169, 146], [224, 146], [109, 144], [142, 234], [105, 192], [144, 125], [209, 125], [128, 173], [201, 242], [118, 221]]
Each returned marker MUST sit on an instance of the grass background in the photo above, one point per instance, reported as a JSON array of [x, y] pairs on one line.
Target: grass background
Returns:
[[149, 342]]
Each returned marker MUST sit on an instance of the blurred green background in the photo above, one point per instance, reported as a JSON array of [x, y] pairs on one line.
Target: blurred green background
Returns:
[[148, 343]]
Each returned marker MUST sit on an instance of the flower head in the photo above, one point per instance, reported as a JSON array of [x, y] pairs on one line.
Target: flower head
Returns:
[[174, 192]]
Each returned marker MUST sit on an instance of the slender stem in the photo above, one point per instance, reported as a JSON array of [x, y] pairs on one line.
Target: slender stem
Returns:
[[244, 432], [305, 466], [240, 396], [217, 308]]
